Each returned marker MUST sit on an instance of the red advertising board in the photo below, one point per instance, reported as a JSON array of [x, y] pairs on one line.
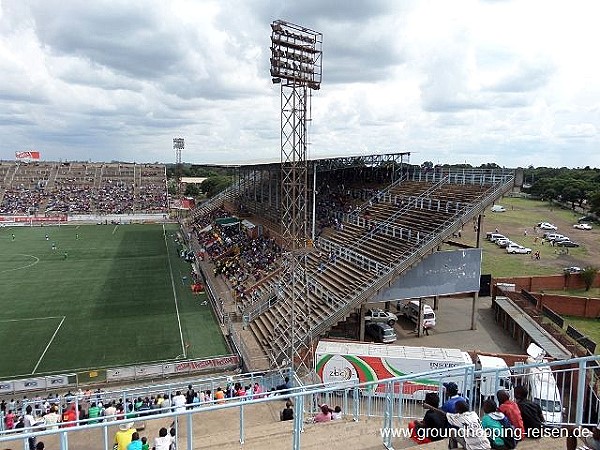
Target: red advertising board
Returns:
[[34, 219], [28, 155]]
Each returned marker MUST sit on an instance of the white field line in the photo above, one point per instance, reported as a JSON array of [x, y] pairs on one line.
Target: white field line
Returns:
[[37, 260], [174, 291], [115, 229], [31, 318], [49, 343]]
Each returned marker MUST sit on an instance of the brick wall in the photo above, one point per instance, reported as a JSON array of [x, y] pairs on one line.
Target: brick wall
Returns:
[[547, 282], [570, 306]]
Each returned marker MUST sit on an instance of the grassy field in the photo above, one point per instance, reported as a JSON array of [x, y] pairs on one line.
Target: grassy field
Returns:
[[106, 296], [589, 327], [521, 216]]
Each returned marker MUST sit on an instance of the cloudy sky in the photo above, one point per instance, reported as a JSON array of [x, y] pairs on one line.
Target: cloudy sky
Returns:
[[511, 82]]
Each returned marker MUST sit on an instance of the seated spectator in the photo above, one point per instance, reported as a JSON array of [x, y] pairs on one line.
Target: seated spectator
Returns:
[[432, 427], [285, 387], [453, 397], [135, 443], [257, 390], [492, 423], [337, 413], [324, 415], [463, 419], [288, 412], [163, 441], [531, 413], [511, 410]]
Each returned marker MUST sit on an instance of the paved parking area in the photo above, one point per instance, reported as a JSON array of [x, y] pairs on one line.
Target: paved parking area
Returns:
[[453, 323]]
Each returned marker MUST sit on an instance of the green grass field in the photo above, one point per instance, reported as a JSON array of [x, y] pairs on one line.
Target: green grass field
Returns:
[[117, 297], [523, 214]]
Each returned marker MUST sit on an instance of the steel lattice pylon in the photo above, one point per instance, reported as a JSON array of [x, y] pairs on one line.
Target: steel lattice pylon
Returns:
[[296, 64]]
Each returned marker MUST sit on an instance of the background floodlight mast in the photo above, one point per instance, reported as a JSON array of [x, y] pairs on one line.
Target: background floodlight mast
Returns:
[[296, 65], [178, 145]]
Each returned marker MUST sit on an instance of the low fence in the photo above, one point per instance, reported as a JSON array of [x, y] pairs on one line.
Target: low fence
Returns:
[[388, 403], [159, 370]]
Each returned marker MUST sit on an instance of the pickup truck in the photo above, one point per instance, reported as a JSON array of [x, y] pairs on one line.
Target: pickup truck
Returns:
[[379, 315]]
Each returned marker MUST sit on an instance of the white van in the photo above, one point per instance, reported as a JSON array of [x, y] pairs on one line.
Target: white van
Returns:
[[544, 391], [495, 375], [411, 310], [498, 208]]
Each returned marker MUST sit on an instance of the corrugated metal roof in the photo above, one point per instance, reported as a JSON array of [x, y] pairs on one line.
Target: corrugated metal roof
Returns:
[[530, 326]]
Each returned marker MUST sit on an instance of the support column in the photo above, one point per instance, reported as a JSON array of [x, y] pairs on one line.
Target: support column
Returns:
[[361, 324], [473, 306]]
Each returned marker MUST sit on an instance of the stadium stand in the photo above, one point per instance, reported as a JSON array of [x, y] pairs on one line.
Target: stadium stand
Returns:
[[48, 188], [368, 232]]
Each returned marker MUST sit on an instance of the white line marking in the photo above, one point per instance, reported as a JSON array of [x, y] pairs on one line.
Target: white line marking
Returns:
[[49, 343], [37, 260], [174, 292], [115, 229], [32, 318]]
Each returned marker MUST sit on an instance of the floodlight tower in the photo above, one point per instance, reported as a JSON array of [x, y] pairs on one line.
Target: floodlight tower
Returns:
[[296, 65], [178, 145]]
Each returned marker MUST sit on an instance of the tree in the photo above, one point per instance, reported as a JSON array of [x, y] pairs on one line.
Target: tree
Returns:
[[588, 275]]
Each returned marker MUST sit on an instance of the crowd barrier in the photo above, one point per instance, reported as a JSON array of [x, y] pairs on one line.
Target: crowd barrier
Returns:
[[383, 401]]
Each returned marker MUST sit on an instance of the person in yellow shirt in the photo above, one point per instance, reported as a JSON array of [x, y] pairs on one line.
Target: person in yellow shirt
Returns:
[[123, 436]]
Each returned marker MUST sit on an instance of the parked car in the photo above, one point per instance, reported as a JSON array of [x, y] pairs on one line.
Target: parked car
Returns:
[[588, 218], [567, 243], [379, 315], [495, 236], [503, 243], [381, 332], [498, 208], [516, 248], [582, 226], [553, 236], [572, 269], [547, 226]]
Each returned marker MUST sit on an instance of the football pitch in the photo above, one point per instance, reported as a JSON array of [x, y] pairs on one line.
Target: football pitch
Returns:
[[84, 297]]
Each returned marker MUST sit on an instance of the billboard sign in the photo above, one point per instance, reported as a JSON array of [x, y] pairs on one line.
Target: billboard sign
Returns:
[[27, 156]]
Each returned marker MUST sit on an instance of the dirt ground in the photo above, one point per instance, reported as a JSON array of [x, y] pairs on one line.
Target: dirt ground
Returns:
[[518, 224]]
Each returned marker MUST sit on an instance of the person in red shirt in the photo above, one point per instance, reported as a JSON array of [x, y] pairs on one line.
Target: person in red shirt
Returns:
[[511, 410], [69, 417]]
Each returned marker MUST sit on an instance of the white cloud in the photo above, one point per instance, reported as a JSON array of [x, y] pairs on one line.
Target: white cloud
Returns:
[[466, 81]]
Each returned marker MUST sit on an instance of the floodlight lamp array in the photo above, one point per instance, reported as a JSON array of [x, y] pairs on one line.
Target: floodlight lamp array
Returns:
[[178, 143], [296, 54]]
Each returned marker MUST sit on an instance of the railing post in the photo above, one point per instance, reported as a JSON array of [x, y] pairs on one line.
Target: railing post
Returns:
[[580, 393], [388, 414], [64, 441], [298, 421], [241, 423], [105, 435], [355, 398], [190, 434]]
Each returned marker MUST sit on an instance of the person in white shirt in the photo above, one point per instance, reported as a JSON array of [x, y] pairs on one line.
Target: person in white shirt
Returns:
[[469, 434], [110, 412], [179, 402], [52, 418], [163, 441], [29, 422]]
